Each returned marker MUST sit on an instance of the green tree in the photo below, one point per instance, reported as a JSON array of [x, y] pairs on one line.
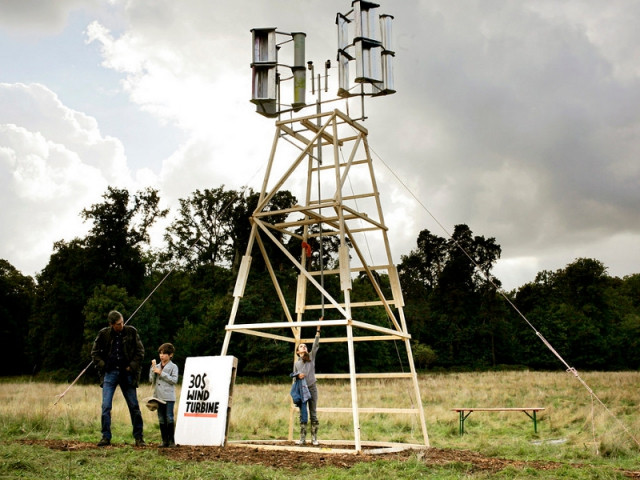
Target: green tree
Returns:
[[202, 232], [582, 286], [16, 302], [583, 313], [423, 355], [420, 270], [56, 326], [213, 227], [120, 231], [626, 342], [451, 297], [111, 254]]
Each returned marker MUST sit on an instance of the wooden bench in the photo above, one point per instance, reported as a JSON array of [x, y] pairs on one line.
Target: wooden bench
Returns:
[[464, 412]]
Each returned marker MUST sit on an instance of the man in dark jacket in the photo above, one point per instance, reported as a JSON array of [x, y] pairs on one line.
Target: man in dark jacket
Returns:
[[117, 353]]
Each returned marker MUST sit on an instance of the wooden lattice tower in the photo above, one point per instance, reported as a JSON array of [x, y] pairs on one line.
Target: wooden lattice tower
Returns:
[[325, 161]]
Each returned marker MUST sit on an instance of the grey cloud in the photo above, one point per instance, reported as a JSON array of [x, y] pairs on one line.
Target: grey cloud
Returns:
[[38, 16], [510, 90]]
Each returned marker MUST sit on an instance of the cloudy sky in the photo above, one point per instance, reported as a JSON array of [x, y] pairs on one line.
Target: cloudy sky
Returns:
[[519, 119]]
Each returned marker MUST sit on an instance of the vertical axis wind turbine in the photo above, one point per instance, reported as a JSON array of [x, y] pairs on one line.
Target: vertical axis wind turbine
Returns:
[[330, 236]]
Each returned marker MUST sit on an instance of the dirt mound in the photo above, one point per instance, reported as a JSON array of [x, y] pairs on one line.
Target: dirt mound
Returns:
[[292, 459]]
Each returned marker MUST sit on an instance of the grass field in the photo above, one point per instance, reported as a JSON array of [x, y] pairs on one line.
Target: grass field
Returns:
[[587, 439]]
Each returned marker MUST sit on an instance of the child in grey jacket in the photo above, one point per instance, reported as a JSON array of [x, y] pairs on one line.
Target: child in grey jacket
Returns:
[[163, 378]]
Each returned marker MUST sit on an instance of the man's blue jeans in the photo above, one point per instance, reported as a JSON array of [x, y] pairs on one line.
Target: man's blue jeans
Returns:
[[111, 381]]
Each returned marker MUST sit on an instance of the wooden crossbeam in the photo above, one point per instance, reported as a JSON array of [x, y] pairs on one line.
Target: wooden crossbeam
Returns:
[[368, 410], [316, 129], [346, 376]]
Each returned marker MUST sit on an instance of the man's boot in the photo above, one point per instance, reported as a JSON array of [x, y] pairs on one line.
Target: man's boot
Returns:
[[164, 434], [303, 434], [314, 434], [171, 429], [104, 442]]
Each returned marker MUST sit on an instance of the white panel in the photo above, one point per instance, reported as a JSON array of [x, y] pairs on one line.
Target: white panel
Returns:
[[375, 64], [366, 16], [343, 31], [361, 68], [385, 29], [264, 45], [368, 62], [343, 75], [204, 401], [358, 14], [387, 72], [265, 58], [264, 83]]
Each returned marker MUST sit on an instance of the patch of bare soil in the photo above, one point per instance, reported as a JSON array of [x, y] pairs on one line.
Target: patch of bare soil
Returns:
[[291, 459]]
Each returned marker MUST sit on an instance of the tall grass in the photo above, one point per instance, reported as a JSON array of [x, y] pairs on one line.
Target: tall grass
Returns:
[[572, 417], [574, 427]]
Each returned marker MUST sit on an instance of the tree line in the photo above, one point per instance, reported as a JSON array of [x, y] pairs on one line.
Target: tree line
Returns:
[[457, 314]]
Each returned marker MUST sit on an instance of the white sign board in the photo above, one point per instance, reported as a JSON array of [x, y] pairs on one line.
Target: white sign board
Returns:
[[204, 400]]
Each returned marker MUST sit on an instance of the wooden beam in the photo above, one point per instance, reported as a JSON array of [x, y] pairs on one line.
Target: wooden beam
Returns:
[[372, 303], [293, 448], [353, 269], [365, 376], [361, 338], [297, 208], [376, 328], [308, 124], [341, 164], [380, 447], [257, 333], [289, 121], [367, 410], [296, 135], [348, 120], [306, 323], [361, 195], [364, 217]]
